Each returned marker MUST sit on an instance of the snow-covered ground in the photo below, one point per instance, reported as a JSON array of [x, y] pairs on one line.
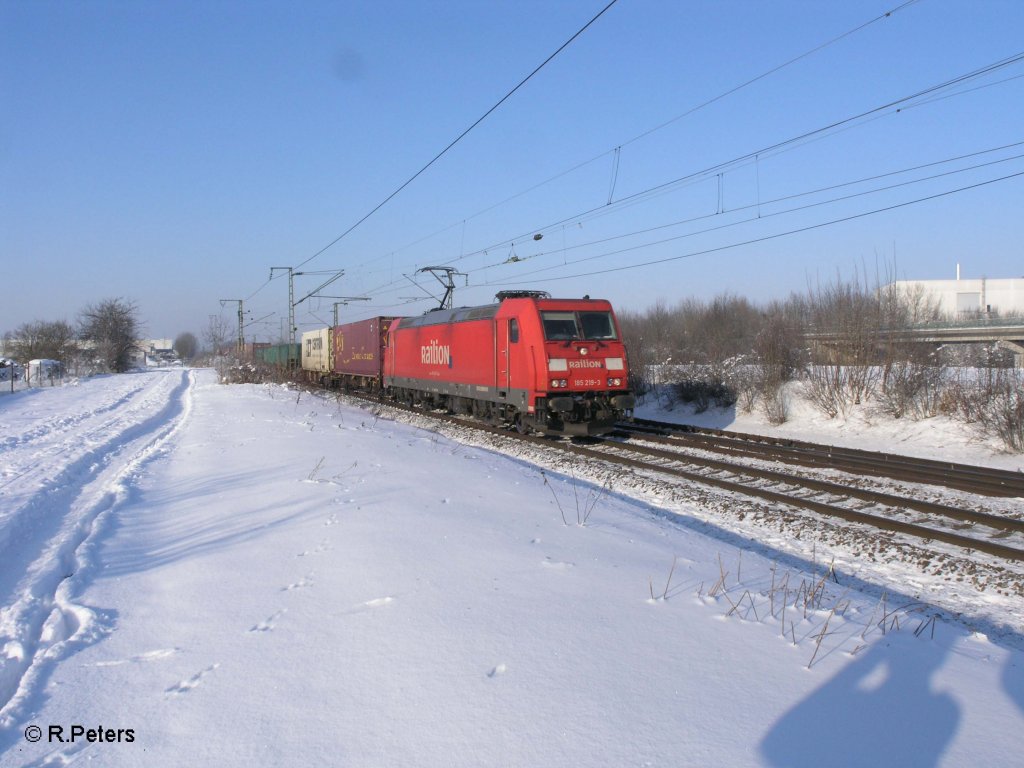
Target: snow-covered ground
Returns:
[[246, 575]]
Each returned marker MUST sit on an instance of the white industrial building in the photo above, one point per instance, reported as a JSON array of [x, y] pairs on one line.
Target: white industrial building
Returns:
[[970, 297]]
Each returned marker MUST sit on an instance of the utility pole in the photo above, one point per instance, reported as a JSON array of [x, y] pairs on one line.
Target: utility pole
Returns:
[[241, 337], [291, 301]]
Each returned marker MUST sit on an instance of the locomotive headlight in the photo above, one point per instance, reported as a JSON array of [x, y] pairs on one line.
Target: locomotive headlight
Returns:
[[614, 382], [584, 351], [559, 383]]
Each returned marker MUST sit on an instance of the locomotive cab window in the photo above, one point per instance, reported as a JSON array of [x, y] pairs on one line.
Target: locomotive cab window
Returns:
[[513, 330], [568, 326], [560, 326], [597, 325]]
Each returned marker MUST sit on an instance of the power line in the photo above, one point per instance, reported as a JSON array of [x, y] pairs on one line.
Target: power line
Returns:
[[687, 113], [644, 134], [893, 107], [519, 278], [775, 236], [773, 70], [773, 201], [479, 120], [897, 104]]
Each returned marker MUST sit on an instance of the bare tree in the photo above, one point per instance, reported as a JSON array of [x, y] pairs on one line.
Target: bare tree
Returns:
[[217, 333], [186, 345], [41, 339], [650, 343], [111, 329]]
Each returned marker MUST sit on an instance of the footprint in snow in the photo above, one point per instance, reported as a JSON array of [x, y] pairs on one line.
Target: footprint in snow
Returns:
[[268, 623], [498, 670], [305, 581], [323, 546], [557, 565], [369, 605], [141, 658], [187, 685]]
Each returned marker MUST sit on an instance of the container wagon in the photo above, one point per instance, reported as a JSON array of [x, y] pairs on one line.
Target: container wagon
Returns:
[[358, 353]]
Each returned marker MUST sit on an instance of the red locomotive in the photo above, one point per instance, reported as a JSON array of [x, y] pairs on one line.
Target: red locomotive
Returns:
[[554, 365]]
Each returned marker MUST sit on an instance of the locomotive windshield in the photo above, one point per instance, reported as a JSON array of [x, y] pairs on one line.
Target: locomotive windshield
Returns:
[[568, 326]]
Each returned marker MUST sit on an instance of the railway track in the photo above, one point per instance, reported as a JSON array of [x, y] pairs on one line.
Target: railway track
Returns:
[[963, 477], [922, 519], [666, 453]]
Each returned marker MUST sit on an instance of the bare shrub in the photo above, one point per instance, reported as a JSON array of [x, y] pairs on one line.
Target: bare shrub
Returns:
[[1004, 412], [648, 337], [846, 320], [723, 328], [992, 399], [743, 376], [826, 389], [247, 372], [703, 386], [779, 354], [775, 402], [911, 386]]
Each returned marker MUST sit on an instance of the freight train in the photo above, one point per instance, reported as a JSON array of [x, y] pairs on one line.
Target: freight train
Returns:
[[556, 366]]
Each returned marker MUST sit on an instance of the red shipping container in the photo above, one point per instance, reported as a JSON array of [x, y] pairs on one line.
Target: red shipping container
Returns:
[[358, 347]]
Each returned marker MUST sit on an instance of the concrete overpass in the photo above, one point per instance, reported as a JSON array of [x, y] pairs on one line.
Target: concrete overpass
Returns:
[[1007, 335]]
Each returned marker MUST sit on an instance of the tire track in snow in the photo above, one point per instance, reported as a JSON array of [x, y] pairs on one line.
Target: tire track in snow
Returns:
[[39, 619], [36, 509], [26, 470], [43, 429]]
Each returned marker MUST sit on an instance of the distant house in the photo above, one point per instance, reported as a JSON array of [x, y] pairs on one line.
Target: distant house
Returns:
[[971, 297], [155, 352]]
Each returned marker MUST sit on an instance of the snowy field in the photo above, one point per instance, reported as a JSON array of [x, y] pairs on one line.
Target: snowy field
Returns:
[[197, 574]]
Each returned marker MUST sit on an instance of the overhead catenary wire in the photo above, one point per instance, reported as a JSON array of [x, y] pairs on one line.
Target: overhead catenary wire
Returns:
[[462, 135], [764, 203], [775, 235], [519, 278], [894, 105], [740, 244], [616, 150], [787, 197], [891, 107], [752, 219], [741, 86]]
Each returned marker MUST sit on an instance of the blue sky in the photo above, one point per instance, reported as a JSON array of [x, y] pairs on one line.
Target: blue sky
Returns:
[[172, 153]]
